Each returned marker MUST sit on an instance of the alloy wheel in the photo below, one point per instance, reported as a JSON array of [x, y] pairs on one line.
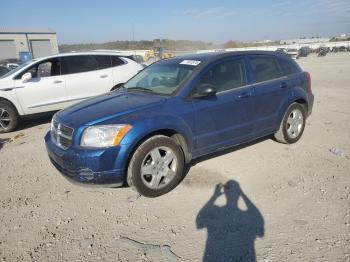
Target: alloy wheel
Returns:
[[159, 167], [5, 119], [295, 123]]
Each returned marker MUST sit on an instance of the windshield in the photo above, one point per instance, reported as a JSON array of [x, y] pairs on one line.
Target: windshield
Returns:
[[161, 79], [16, 69]]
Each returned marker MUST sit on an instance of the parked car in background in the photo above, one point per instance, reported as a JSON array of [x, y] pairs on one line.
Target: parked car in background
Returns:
[[304, 51], [292, 52], [3, 70], [339, 49], [323, 51], [280, 50], [11, 63], [176, 110], [55, 82]]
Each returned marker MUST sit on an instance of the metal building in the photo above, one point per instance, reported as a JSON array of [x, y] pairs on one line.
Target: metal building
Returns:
[[24, 43]]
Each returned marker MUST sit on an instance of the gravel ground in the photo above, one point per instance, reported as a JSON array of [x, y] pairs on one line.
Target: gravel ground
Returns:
[[275, 201]]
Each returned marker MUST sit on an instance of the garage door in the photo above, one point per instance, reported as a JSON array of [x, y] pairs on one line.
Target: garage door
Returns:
[[41, 48], [7, 49]]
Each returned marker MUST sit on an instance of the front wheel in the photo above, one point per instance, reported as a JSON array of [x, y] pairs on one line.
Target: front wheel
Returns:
[[156, 167], [8, 117], [292, 125]]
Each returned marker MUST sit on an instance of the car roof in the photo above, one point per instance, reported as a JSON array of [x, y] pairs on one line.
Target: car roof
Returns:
[[213, 56], [111, 53]]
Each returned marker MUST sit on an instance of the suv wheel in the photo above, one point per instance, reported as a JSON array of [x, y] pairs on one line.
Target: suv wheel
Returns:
[[292, 125], [8, 117], [156, 167]]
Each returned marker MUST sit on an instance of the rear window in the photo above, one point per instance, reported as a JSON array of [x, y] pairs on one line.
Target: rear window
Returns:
[[265, 68], [287, 67], [78, 64]]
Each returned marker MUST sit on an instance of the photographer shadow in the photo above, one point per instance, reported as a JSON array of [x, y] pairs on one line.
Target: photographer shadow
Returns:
[[231, 230]]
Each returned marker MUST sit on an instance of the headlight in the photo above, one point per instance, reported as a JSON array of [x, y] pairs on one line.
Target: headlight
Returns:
[[104, 136], [53, 121]]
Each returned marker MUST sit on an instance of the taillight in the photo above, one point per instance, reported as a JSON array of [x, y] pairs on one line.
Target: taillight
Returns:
[[308, 79]]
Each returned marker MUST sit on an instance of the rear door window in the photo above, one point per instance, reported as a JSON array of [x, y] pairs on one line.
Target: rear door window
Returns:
[[78, 64], [265, 68], [226, 75], [103, 61]]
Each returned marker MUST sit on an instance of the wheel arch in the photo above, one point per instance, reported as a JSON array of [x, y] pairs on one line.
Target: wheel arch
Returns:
[[303, 102], [299, 100], [169, 132], [10, 102]]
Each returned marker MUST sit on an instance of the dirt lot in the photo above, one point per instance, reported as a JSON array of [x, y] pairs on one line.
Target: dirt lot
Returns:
[[279, 202]]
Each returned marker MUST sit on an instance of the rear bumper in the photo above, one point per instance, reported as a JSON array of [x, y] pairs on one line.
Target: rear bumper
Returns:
[[311, 99], [89, 167]]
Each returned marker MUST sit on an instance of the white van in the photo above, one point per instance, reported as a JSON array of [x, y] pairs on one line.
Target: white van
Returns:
[[55, 82]]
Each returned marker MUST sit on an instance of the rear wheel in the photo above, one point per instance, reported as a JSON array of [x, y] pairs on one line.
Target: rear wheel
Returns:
[[292, 125], [8, 117], [156, 167]]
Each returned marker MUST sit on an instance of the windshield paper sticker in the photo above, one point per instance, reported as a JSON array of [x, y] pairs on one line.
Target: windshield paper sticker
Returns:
[[190, 62]]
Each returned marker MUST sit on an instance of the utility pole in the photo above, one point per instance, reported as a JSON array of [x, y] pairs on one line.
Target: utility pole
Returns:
[[133, 35]]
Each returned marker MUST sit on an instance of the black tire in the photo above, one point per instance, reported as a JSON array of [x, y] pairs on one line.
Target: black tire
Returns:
[[283, 135], [8, 117], [139, 183]]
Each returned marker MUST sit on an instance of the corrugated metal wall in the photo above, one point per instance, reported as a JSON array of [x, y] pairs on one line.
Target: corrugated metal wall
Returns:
[[41, 48], [7, 49]]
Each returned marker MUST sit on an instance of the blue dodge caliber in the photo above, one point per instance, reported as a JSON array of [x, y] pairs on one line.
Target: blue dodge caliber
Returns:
[[177, 110]]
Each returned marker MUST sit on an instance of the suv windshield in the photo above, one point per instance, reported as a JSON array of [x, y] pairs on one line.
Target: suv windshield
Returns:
[[161, 79]]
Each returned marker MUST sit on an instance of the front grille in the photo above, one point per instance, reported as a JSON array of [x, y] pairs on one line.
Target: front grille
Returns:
[[61, 135]]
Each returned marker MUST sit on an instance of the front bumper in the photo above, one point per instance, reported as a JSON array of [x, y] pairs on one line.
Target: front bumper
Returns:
[[87, 166]]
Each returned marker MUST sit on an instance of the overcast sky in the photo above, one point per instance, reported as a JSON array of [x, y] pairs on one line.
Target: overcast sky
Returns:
[[84, 21]]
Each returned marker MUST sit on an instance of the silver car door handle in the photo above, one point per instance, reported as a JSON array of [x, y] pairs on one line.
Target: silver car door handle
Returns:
[[103, 76], [57, 81]]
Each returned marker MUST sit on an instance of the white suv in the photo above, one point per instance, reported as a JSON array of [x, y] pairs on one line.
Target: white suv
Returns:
[[55, 82]]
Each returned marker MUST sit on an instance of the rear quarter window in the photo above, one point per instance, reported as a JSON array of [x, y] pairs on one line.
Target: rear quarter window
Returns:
[[116, 61], [288, 68], [265, 68]]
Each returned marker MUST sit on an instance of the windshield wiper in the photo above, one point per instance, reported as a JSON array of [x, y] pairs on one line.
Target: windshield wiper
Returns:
[[138, 88]]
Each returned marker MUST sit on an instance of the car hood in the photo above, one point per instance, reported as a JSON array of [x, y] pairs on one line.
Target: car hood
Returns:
[[107, 106]]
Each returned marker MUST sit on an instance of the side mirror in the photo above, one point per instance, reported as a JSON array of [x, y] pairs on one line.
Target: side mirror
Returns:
[[204, 90], [26, 77], [116, 87]]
